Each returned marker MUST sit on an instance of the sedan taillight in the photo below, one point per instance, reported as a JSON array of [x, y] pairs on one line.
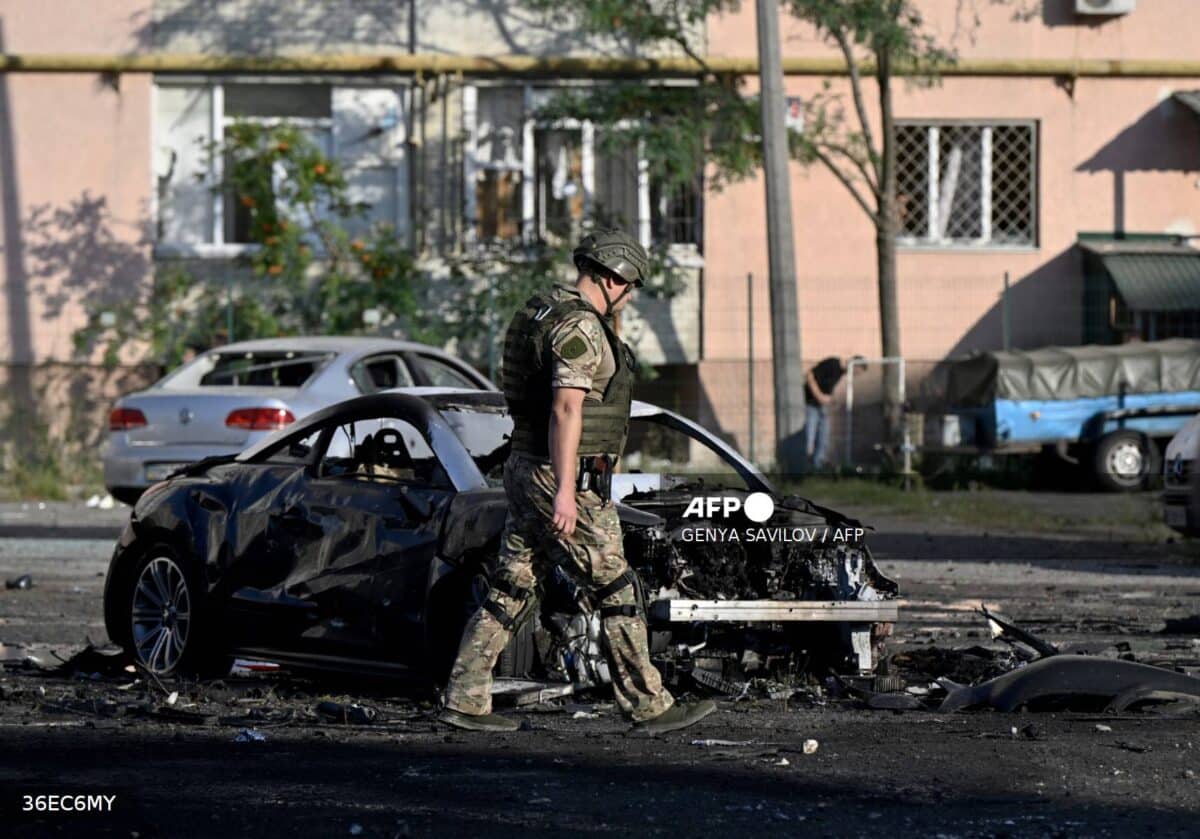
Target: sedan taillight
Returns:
[[123, 419], [260, 419]]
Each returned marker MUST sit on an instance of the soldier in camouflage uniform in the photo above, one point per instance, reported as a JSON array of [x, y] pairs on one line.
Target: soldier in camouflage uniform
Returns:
[[568, 382]]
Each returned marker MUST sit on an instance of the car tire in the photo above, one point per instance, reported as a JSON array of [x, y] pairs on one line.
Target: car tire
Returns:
[[1125, 461], [166, 616]]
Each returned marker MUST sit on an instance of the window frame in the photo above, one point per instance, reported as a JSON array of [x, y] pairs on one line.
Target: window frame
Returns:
[[529, 221], [397, 355], [220, 121], [931, 129]]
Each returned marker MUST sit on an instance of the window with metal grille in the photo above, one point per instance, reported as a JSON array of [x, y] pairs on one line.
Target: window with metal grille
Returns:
[[963, 184]]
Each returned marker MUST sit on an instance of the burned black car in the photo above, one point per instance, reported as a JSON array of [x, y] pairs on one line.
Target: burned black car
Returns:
[[362, 538]]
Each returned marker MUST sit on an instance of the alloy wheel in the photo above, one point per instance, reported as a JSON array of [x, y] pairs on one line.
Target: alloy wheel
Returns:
[[162, 613]]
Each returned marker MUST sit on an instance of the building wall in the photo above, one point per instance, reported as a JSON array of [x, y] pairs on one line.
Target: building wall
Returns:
[[75, 188], [1115, 154], [449, 27]]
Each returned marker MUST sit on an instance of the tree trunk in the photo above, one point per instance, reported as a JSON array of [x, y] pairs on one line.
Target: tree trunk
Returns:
[[886, 228]]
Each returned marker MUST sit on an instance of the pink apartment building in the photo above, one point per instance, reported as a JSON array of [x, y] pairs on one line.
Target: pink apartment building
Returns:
[[1082, 187], [1042, 160]]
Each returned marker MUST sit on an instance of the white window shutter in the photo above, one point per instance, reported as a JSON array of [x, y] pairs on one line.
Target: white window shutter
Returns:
[[182, 132], [370, 142]]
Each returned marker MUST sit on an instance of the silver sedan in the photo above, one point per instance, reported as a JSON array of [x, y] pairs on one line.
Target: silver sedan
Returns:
[[231, 397]]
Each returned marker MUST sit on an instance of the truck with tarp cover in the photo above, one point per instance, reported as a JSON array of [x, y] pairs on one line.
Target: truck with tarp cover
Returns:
[[1110, 409]]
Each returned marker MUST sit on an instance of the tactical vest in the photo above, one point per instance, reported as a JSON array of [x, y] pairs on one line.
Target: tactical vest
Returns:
[[526, 377]]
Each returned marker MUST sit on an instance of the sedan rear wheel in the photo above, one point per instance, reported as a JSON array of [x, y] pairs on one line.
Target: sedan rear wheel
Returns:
[[161, 615]]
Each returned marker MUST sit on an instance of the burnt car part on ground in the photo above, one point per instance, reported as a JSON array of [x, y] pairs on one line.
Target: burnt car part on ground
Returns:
[[363, 537], [1031, 675]]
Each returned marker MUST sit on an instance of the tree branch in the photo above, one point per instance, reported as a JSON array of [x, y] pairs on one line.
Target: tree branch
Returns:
[[856, 90], [868, 175], [680, 40], [846, 182]]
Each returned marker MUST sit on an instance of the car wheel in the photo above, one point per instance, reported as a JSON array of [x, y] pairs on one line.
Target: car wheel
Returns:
[[1124, 461], [166, 611]]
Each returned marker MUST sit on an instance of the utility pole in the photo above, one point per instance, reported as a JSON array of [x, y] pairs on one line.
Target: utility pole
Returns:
[[787, 370]]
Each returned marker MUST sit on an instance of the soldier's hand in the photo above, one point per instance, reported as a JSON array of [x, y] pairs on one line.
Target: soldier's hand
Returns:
[[565, 512]]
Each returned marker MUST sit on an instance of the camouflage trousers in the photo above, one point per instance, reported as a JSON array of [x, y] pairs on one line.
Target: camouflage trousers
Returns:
[[593, 557]]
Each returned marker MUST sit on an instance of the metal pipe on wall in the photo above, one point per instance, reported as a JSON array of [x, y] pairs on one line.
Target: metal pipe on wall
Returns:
[[559, 66]]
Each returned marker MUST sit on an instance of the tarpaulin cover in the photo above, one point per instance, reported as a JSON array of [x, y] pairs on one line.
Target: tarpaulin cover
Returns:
[[1053, 373]]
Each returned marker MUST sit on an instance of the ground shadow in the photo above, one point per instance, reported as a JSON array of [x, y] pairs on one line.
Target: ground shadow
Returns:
[[1114, 556], [272, 28], [549, 784], [1038, 304], [1164, 139]]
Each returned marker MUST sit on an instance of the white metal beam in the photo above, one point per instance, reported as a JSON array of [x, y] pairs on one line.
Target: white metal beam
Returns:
[[852, 611]]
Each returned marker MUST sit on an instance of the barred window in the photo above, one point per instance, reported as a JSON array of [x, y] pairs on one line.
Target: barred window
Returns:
[[967, 184]]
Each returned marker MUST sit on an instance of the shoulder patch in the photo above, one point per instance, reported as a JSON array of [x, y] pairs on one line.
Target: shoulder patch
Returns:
[[574, 347]]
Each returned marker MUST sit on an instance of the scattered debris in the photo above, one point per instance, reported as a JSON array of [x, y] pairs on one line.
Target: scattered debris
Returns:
[[1182, 626], [251, 667], [894, 702], [585, 715], [524, 692], [714, 742], [1103, 729], [25, 581], [93, 662], [349, 714], [1131, 747], [966, 666], [250, 735], [1032, 731], [1005, 630], [1073, 681], [811, 746], [783, 761]]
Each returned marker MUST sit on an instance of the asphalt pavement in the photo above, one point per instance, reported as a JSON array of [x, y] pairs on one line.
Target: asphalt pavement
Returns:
[[178, 769]]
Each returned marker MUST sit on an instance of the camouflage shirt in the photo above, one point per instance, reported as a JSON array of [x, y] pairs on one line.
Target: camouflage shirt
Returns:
[[581, 354]]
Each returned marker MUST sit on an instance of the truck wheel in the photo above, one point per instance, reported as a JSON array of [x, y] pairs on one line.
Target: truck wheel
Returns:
[[1124, 461]]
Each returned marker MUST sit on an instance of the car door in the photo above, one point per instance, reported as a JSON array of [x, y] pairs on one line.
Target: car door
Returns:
[[370, 522]]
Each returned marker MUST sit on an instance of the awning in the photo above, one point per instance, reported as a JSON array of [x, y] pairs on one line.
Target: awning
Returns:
[[1152, 277]]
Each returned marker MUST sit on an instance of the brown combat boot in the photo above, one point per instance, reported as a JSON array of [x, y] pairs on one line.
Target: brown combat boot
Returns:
[[676, 717], [477, 722]]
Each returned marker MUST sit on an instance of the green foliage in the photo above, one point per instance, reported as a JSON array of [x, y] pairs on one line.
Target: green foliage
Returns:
[[714, 124], [473, 301], [307, 272]]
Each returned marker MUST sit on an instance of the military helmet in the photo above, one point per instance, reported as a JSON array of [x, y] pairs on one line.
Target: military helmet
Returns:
[[615, 252]]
